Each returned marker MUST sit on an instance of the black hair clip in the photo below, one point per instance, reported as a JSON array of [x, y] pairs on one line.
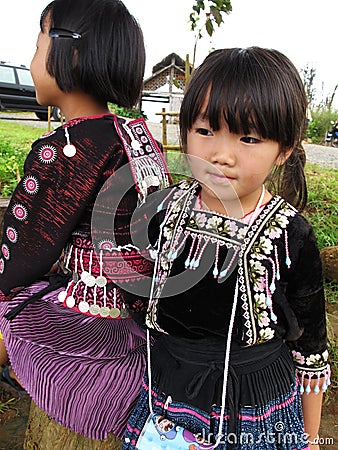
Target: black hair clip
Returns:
[[62, 33]]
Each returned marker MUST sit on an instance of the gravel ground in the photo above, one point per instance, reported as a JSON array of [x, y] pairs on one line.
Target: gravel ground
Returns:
[[324, 156]]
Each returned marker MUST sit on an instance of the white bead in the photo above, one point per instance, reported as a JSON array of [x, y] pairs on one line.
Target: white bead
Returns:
[[69, 150], [135, 145], [62, 296]]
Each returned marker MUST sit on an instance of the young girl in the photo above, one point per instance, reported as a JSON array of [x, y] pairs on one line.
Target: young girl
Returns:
[[237, 297], [69, 334]]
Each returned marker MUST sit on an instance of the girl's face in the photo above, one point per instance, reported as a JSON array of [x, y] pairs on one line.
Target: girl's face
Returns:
[[230, 166], [47, 91]]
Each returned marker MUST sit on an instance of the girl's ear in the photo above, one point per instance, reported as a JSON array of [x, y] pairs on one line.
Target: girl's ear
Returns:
[[282, 157]]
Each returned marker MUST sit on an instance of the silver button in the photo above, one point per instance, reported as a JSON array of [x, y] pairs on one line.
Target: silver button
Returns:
[[114, 313], [94, 310], [62, 296], [70, 302], [104, 311], [101, 281], [84, 306], [89, 281]]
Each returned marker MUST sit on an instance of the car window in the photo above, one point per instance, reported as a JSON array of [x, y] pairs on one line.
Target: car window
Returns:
[[7, 75], [25, 77]]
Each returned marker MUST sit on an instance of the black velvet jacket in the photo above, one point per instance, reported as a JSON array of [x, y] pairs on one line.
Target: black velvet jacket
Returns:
[[276, 263]]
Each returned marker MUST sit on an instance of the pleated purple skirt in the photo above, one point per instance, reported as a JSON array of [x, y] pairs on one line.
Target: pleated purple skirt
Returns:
[[85, 372]]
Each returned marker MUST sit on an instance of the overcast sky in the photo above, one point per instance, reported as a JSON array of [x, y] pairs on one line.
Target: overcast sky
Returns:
[[305, 30]]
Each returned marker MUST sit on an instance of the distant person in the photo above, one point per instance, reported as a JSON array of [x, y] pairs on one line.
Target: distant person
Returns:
[[70, 336], [237, 303]]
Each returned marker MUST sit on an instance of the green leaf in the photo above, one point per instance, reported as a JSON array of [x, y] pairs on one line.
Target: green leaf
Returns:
[[216, 14], [209, 27]]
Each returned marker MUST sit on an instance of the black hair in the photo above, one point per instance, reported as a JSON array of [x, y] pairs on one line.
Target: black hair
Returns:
[[108, 60], [254, 90]]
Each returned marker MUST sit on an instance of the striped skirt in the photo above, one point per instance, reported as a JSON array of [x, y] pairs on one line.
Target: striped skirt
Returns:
[[263, 408], [84, 372]]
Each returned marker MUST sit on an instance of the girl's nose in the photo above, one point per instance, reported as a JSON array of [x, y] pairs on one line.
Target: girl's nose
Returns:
[[223, 152]]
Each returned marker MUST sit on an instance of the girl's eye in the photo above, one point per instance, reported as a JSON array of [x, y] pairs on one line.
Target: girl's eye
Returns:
[[250, 140], [203, 132]]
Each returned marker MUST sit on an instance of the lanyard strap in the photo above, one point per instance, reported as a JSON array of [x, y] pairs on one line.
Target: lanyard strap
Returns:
[[228, 344]]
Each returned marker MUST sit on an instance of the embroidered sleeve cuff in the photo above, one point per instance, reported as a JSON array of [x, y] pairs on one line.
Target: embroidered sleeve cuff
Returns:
[[310, 368], [314, 380]]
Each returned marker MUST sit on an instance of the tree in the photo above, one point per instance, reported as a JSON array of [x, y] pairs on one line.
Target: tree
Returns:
[[309, 75], [214, 14], [212, 11], [330, 97]]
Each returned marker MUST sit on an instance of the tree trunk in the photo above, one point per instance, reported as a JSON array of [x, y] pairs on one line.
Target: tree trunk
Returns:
[[44, 433]]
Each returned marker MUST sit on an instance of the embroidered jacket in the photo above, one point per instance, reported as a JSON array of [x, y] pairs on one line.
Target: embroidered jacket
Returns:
[[276, 263], [51, 211]]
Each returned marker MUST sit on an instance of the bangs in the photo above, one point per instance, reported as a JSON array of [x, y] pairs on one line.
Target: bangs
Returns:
[[244, 89]]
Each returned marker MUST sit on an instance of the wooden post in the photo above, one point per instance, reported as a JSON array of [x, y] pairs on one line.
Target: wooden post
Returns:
[[187, 71], [164, 127], [49, 115]]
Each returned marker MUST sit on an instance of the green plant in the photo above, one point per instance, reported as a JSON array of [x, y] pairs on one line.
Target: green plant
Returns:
[[9, 404], [322, 206], [126, 112], [11, 166], [320, 124]]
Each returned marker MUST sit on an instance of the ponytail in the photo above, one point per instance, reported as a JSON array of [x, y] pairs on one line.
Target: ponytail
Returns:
[[289, 180]]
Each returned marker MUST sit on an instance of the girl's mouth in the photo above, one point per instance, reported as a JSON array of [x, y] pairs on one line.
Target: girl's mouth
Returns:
[[219, 178]]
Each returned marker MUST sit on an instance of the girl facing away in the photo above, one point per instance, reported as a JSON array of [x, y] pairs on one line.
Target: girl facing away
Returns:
[[69, 332], [237, 302]]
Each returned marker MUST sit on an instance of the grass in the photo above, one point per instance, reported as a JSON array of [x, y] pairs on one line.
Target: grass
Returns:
[[322, 207], [15, 143], [6, 406]]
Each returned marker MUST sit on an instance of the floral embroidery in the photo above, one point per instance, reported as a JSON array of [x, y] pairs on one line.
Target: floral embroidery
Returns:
[[106, 245], [262, 248], [192, 223], [229, 227], [47, 154], [288, 210], [5, 251], [2, 266], [169, 228], [12, 234], [263, 319], [213, 223], [242, 233], [256, 272], [314, 360], [260, 310], [20, 212], [201, 219], [298, 357], [275, 226], [317, 360], [266, 334], [31, 185], [259, 300]]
